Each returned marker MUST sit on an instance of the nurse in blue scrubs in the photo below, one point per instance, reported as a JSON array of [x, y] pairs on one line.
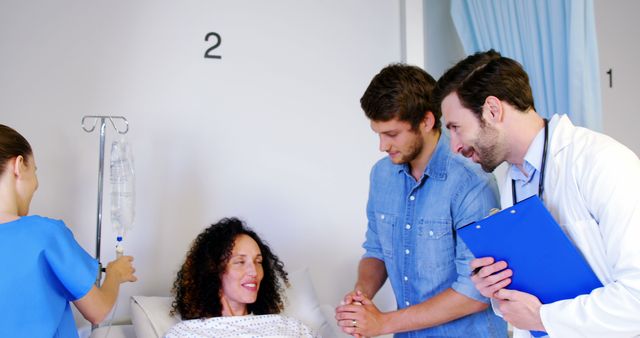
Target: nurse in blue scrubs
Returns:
[[43, 267]]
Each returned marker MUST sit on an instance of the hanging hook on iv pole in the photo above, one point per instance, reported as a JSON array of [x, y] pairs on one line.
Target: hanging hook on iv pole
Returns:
[[102, 123]]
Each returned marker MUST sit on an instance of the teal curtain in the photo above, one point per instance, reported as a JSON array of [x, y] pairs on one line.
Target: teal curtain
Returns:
[[555, 41]]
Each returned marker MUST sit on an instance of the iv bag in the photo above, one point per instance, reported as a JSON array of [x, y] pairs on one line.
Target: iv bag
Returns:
[[122, 186]]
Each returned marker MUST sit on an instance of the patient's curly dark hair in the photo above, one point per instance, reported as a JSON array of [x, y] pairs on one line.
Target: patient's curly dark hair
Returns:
[[198, 283]]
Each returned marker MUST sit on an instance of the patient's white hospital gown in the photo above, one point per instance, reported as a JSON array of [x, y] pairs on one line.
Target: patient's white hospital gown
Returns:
[[241, 326]]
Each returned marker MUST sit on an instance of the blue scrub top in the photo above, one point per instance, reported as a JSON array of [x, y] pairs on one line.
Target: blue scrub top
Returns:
[[43, 269]]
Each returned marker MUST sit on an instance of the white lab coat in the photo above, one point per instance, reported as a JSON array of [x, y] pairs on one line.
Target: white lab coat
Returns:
[[592, 189]]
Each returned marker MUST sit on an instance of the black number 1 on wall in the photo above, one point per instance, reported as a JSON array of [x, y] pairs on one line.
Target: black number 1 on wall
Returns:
[[209, 53]]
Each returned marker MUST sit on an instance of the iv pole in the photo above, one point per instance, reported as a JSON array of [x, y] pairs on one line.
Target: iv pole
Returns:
[[103, 126]]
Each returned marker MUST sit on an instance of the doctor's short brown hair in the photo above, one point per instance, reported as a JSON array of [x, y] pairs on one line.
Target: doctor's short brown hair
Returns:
[[486, 74]]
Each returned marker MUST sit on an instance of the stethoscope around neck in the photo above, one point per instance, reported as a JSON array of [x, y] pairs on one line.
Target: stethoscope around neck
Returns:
[[542, 166]]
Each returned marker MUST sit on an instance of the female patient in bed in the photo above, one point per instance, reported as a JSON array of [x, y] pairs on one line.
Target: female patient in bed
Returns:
[[44, 268], [230, 286]]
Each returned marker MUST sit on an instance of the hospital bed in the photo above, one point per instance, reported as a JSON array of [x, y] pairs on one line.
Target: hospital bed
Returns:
[[150, 315]]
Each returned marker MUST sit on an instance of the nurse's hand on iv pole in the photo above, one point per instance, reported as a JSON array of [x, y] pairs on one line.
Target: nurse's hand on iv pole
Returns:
[[122, 269], [99, 301]]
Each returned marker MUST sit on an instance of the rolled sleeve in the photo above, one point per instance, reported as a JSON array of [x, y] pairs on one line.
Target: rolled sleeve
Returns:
[[471, 205], [464, 286], [371, 245], [463, 283]]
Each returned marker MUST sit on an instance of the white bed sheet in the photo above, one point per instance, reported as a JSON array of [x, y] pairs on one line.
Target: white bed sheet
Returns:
[[116, 331]]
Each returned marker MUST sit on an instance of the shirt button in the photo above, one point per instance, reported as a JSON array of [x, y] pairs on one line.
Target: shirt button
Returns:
[[381, 216], [412, 198], [431, 233], [408, 226], [406, 278], [406, 303], [406, 251]]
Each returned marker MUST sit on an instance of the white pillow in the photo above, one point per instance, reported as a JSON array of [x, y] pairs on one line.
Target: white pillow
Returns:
[[302, 302], [150, 315]]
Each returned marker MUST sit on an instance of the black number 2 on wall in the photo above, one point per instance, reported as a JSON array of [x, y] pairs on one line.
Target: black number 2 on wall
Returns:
[[209, 53]]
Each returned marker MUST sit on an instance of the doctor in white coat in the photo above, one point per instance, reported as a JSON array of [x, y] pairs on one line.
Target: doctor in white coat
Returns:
[[589, 182]]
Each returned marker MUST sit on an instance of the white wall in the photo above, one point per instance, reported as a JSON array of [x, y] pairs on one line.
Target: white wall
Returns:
[[618, 30], [272, 132]]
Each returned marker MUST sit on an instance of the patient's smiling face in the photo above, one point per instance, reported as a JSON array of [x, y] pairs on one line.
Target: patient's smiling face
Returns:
[[242, 276]]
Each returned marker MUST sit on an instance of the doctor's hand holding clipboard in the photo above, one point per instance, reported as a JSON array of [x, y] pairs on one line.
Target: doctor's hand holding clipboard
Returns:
[[518, 308], [525, 261]]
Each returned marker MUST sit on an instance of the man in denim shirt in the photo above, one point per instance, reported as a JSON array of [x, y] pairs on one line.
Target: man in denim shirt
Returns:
[[419, 195]]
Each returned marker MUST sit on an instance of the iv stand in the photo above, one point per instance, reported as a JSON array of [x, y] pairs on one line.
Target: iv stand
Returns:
[[103, 124]]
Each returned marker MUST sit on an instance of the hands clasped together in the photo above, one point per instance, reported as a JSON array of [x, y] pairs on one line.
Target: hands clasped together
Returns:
[[358, 316]]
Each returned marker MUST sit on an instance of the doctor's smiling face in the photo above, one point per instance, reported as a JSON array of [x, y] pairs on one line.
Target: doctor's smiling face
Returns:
[[471, 137], [242, 276]]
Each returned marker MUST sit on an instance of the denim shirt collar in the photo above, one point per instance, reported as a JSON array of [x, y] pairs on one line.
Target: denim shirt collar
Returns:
[[438, 164]]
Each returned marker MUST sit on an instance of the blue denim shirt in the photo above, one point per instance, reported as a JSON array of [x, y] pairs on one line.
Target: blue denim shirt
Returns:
[[412, 228]]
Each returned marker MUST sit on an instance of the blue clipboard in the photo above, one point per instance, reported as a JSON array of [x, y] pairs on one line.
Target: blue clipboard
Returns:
[[545, 263]]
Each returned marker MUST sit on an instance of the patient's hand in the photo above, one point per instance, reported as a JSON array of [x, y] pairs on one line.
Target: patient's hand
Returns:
[[349, 297], [349, 300], [360, 317]]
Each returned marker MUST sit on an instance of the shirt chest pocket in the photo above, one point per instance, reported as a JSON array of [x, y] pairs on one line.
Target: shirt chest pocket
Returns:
[[385, 225], [435, 244]]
